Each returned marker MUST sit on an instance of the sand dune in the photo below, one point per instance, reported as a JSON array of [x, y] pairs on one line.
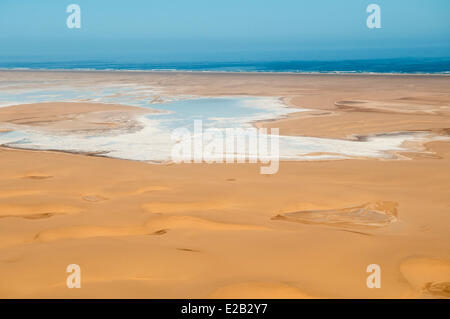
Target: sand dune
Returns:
[[237, 243], [260, 290], [154, 226], [156, 207], [24, 210]]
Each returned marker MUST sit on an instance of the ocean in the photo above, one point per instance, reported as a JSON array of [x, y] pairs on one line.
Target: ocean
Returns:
[[399, 65]]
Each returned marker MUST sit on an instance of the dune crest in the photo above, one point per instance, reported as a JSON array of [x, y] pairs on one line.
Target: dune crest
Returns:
[[259, 290], [154, 226]]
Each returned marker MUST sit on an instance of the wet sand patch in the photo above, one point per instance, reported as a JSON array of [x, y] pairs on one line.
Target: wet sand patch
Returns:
[[403, 105], [376, 214]]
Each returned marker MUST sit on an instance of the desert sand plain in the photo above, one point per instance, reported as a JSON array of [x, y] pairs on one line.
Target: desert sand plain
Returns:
[[141, 230]]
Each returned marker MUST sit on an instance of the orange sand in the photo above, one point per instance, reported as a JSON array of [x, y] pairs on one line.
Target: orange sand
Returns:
[[197, 230]]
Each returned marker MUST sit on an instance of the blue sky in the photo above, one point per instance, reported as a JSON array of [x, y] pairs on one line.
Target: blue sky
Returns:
[[176, 30]]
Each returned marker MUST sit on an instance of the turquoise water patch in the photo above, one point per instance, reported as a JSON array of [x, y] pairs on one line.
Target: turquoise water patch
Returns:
[[224, 112]]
